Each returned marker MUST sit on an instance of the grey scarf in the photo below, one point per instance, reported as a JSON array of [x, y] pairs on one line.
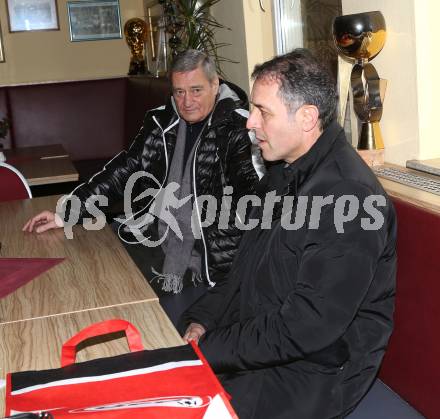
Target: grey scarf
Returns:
[[180, 255]]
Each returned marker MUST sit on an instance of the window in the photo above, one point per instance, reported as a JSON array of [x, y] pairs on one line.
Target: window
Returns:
[[307, 24]]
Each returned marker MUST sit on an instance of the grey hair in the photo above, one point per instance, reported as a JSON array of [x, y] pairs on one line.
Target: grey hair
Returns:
[[190, 60], [302, 80]]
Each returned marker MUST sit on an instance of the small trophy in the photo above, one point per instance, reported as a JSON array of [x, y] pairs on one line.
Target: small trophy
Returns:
[[358, 39], [135, 31]]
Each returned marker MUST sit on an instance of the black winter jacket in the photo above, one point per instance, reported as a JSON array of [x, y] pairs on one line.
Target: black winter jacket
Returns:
[[223, 157], [301, 325]]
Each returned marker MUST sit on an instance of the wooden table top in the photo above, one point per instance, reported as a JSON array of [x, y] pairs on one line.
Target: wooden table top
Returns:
[[42, 165], [97, 271], [40, 340]]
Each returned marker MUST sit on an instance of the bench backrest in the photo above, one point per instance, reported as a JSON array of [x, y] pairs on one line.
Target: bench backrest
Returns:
[[86, 117], [411, 365]]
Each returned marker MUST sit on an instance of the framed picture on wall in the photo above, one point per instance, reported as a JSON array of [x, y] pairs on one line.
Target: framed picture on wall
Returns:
[[32, 15], [94, 20]]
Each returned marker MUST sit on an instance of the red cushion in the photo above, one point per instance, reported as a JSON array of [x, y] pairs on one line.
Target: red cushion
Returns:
[[411, 365], [11, 186]]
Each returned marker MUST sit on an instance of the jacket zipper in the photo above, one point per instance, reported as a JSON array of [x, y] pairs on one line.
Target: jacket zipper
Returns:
[[199, 218], [164, 131], [163, 182]]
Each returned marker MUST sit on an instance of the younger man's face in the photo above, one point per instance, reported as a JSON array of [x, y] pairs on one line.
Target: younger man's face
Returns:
[[278, 131]]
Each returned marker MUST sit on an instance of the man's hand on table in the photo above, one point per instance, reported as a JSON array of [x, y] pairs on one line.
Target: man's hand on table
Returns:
[[194, 332], [44, 221]]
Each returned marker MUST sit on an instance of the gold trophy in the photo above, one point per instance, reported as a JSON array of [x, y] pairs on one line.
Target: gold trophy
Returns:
[[135, 31], [358, 39]]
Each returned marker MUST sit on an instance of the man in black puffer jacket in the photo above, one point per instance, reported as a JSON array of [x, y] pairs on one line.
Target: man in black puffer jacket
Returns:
[[199, 142]]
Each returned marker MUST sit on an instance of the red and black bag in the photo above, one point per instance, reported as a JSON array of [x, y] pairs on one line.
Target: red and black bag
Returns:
[[172, 382]]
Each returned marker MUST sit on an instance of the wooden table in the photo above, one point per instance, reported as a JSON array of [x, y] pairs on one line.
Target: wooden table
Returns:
[[43, 165], [97, 281], [97, 271], [36, 344]]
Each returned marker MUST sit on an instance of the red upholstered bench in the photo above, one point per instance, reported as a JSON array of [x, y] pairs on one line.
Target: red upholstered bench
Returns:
[[410, 372], [411, 366], [93, 119]]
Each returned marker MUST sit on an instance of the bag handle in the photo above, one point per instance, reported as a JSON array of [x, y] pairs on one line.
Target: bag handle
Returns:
[[68, 351]]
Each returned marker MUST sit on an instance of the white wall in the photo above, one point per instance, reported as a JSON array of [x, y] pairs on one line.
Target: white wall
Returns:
[[230, 14], [259, 32], [251, 37], [427, 13]]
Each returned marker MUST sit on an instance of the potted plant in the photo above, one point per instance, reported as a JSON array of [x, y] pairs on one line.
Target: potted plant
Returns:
[[191, 26]]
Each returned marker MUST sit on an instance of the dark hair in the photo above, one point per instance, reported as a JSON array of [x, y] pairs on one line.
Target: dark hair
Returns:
[[190, 60], [302, 80]]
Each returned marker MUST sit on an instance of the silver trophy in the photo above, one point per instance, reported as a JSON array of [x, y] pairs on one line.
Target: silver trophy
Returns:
[[358, 39]]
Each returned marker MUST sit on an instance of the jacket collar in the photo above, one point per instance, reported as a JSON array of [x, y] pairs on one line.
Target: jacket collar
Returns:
[[302, 168], [286, 179]]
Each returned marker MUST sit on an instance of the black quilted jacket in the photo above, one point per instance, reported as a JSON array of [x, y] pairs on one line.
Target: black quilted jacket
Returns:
[[223, 157]]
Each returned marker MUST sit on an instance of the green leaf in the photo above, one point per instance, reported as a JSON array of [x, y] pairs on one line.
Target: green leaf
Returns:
[[197, 27]]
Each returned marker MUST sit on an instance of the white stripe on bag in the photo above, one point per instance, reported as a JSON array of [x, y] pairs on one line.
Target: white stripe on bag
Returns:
[[79, 380]]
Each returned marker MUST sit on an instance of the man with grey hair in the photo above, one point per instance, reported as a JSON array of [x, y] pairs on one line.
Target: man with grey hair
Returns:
[[199, 141], [301, 325]]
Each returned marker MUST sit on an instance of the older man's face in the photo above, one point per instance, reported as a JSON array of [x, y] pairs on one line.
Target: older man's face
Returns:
[[194, 94]]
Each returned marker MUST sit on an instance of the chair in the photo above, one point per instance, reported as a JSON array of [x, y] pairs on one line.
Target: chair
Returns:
[[13, 185]]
